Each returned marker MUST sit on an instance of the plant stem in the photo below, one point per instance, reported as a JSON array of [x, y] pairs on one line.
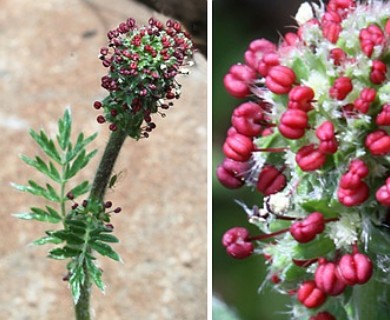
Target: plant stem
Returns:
[[99, 186]]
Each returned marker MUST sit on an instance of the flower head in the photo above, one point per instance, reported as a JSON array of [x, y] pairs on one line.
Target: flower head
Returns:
[[142, 64]]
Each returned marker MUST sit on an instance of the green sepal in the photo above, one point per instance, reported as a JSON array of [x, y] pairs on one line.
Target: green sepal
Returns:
[[318, 247], [105, 250]]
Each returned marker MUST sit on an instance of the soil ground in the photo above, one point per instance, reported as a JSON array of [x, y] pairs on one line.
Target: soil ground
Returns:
[[48, 61]]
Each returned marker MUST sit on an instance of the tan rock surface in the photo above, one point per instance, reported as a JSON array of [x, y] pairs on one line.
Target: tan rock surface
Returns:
[[48, 61]]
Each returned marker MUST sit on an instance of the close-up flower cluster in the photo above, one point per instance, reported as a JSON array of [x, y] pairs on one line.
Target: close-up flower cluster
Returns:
[[142, 65], [312, 138]]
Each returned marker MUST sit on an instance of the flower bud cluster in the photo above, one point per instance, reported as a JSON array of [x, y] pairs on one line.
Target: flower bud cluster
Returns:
[[315, 129], [142, 64]]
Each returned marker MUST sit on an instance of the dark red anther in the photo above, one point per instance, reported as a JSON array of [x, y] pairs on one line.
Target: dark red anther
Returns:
[[100, 119], [238, 80], [108, 204], [328, 142], [338, 56], [307, 229], [256, 50], [353, 197], [247, 119], [378, 72], [309, 158], [293, 123], [301, 97], [309, 295], [238, 147], [270, 180], [118, 209], [231, 173], [324, 315], [267, 62], [280, 79], [366, 97], [383, 118], [237, 243], [371, 37], [357, 171], [383, 194], [341, 88], [378, 143], [355, 268], [328, 279]]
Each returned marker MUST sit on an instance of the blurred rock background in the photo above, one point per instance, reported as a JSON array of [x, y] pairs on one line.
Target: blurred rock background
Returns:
[[48, 61], [235, 25]]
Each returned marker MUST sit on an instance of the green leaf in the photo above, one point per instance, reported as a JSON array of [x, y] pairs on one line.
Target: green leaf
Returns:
[[81, 143], [79, 163], [76, 281], [47, 145], [81, 189], [63, 253], [36, 189], [95, 274], [105, 250], [99, 230], [69, 237], [106, 238], [64, 129], [47, 239], [39, 215]]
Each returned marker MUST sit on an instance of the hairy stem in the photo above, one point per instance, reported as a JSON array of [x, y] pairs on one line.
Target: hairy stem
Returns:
[[99, 186]]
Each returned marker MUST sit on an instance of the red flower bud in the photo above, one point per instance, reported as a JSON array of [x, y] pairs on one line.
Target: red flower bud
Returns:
[[280, 79], [328, 279], [328, 142], [270, 180], [256, 50], [237, 244], [309, 158], [383, 193], [378, 142], [247, 119], [331, 26], [238, 79], [383, 118], [309, 295], [355, 268], [338, 56], [268, 61], [293, 123], [353, 197], [238, 147], [371, 37], [367, 95], [323, 316], [306, 230], [290, 39], [341, 87], [300, 97], [378, 72], [231, 173], [387, 26]]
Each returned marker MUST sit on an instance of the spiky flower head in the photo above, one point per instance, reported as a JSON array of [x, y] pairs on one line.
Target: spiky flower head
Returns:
[[142, 63], [318, 115]]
